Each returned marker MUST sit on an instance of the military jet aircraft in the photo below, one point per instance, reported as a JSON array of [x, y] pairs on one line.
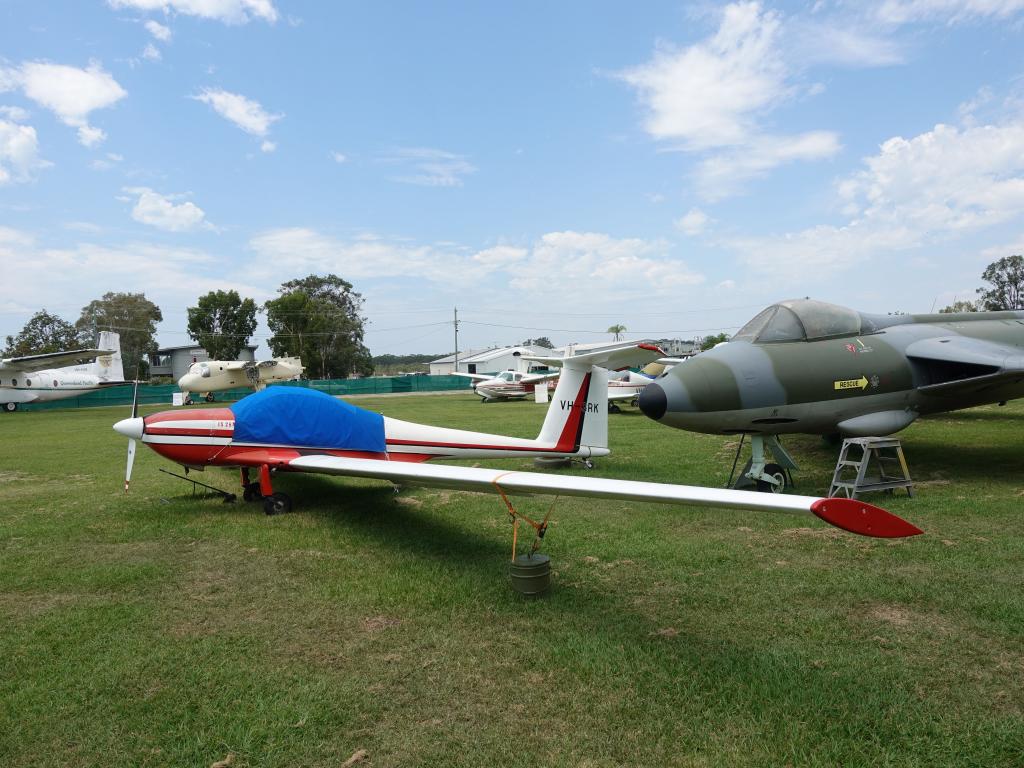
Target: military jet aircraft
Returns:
[[293, 429], [805, 366]]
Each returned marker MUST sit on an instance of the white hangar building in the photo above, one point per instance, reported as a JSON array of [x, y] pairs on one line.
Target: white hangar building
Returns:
[[488, 361]]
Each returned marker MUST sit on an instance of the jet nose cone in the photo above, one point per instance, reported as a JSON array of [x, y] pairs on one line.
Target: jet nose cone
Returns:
[[653, 401], [130, 428]]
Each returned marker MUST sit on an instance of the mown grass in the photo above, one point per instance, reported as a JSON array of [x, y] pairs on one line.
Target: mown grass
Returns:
[[162, 629]]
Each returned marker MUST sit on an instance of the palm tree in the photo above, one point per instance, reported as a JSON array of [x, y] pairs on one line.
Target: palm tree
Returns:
[[617, 330]]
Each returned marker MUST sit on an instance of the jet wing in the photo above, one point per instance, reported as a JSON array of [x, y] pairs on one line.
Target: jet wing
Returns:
[[957, 365], [31, 363], [852, 515]]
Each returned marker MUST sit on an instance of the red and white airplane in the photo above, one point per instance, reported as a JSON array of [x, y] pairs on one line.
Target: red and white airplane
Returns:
[[293, 429], [507, 385]]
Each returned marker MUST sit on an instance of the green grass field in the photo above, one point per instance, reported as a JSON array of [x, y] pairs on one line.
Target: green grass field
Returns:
[[160, 629]]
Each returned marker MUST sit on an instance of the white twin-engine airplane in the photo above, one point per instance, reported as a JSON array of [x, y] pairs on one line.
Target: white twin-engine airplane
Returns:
[[294, 429], [32, 379], [212, 376]]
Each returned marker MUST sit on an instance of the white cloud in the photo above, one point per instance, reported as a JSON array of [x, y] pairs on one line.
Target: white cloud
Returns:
[[841, 41], [694, 222], [69, 92], [171, 276], [723, 174], [338, 157], [106, 163], [158, 30], [17, 114], [429, 167], [916, 192], [710, 97], [161, 212], [950, 11], [151, 52], [19, 153], [707, 95], [268, 146], [227, 11], [245, 113], [595, 265]]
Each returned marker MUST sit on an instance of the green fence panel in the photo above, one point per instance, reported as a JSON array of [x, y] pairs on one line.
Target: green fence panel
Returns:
[[162, 394]]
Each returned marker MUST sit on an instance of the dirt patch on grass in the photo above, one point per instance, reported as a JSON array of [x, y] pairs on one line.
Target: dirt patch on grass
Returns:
[[813, 533], [32, 604], [905, 619], [14, 476], [377, 623]]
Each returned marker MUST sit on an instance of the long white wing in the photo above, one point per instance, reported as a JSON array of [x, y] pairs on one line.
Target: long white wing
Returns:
[[474, 376], [850, 514], [31, 363]]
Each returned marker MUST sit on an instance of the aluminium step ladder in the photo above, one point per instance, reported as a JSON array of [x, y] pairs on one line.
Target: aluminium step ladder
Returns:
[[851, 475]]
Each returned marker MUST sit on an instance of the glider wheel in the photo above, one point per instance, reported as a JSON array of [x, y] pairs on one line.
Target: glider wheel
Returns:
[[10, 407], [252, 492], [277, 504], [774, 470], [209, 398], [588, 464]]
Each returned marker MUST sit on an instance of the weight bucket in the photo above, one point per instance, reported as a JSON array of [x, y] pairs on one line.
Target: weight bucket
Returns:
[[530, 575]]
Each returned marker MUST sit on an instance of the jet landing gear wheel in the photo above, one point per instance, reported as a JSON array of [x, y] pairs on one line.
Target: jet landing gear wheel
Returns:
[[776, 472], [10, 407], [277, 504], [209, 398], [252, 492], [613, 408]]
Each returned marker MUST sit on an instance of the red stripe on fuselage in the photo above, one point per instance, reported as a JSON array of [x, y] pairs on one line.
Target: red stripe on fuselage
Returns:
[[569, 440]]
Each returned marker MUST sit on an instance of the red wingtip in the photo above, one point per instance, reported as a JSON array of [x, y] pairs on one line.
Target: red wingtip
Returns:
[[858, 516]]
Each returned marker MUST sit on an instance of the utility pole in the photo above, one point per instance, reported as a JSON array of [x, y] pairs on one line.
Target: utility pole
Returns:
[[456, 339]]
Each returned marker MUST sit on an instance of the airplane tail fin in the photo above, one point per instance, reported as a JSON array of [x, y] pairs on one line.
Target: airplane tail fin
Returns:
[[578, 415], [108, 366]]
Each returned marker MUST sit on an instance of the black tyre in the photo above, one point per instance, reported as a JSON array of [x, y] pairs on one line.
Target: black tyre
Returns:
[[613, 408], [778, 473], [187, 401], [252, 492], [209, 398], [277, 504], [10, 407]]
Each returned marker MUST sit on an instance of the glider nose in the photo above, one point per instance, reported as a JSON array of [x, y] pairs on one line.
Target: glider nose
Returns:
[[653, 402], [131, 428]]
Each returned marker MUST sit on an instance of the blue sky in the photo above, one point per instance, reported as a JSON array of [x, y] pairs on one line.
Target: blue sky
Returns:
[[550, 169]]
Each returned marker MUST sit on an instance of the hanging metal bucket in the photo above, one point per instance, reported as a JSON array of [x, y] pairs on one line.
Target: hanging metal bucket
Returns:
[[531, 575]]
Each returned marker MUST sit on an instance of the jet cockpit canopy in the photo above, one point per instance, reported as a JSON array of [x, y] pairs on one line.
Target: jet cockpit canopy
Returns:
[[803, 320]]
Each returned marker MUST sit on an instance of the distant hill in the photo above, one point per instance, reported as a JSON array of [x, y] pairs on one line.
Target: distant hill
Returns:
[[389, 365]]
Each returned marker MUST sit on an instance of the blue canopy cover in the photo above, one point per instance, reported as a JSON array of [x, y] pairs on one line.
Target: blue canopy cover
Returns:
[[306, 417]]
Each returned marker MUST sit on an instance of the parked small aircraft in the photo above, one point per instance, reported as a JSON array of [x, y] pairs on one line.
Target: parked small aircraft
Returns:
[[507, 385], [212, 376], [32, 379], [293, 429], [809, 367]]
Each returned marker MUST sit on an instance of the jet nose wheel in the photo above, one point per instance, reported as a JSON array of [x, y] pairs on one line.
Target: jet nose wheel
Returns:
[[777, 473], [277, 504]]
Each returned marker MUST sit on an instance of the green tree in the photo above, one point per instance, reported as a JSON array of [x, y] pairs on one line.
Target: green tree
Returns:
[[222, 323], [616, 331], [318, 319], [960, 306], [709, 341], [44, 333], [543, 341], [1006, 278], [131, 315]]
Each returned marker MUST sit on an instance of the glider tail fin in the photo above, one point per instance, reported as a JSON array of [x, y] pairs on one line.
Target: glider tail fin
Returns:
[[108, 366], [578, 414]]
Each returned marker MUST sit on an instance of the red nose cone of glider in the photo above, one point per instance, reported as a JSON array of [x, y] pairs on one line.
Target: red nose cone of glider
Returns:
[[856, 516]]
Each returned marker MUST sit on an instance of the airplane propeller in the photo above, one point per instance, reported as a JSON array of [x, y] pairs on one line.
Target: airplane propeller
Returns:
[[132, 429]]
